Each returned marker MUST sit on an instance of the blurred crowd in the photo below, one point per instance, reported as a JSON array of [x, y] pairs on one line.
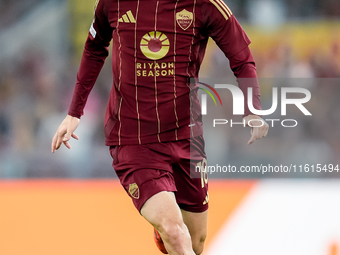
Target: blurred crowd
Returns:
[[316, 138], [33, 101], [11, 11], [295, 9], [36, 88]]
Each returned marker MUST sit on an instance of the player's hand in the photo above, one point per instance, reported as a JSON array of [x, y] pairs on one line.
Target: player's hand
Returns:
[[65, 132], [259, 127]]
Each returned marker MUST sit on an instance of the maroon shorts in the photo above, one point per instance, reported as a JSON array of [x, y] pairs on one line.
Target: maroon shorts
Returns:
[[147, 169]]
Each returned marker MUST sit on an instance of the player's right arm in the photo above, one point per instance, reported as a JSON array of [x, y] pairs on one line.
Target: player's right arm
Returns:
[[94, 55]]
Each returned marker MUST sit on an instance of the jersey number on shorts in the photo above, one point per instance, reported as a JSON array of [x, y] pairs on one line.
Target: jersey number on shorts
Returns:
[[204, 173]]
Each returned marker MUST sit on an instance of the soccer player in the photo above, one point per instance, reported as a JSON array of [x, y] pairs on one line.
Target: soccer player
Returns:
[[153, 115]]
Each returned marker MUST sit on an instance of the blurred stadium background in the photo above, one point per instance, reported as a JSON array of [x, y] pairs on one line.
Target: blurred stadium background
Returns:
[[71, 202]]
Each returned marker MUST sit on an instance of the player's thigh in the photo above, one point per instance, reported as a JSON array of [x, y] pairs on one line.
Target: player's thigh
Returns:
[[197, 225], [162, 210], [142, 172]]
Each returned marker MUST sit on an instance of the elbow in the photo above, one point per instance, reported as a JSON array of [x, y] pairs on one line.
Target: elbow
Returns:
[[95, 50], [245, 70]]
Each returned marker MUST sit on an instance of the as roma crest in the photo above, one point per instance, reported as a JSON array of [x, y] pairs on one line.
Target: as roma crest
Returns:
[[184, 19], [134, 190]]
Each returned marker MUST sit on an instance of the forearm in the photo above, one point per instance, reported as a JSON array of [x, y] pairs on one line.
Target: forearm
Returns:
[[91, 64], [243, 66]]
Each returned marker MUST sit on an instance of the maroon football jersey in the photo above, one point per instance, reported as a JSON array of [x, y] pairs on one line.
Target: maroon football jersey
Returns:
[[158, 47]]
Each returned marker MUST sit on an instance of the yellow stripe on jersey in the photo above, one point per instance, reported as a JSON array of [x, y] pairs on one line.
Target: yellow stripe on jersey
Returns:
[[125, 18], [132, 19], [223, 11], [225, 7]]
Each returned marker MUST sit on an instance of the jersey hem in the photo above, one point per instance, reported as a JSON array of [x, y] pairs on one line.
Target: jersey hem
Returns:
[[154, 139]]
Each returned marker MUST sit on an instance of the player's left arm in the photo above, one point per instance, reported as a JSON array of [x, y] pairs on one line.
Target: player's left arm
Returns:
[[259, 127], [243, 66], [225, 30]]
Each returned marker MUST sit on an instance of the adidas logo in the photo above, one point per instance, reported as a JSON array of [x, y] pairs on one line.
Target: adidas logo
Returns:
[[206, 200], [127, 18]]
